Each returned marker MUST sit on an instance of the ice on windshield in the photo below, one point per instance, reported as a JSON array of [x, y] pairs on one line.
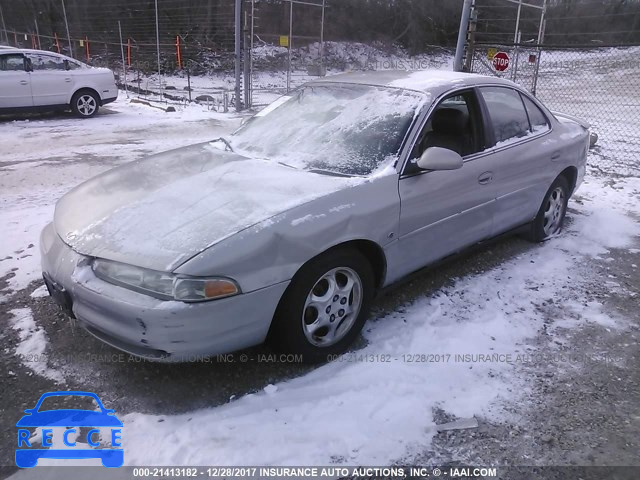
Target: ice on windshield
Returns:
[[350, 129]]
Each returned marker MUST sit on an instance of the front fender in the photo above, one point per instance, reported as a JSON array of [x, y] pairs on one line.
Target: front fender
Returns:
[[275, 249]]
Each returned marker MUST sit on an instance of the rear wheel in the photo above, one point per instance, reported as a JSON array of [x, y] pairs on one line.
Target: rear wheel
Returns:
[[85, 104], [325, 306], [550, 217]]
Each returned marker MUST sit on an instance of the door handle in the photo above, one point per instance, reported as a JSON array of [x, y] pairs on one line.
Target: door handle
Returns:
[[555, 156], [485, 178], [24, 82], [67, 79]]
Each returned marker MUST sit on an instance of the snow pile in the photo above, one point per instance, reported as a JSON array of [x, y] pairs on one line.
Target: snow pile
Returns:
[[32, 344]]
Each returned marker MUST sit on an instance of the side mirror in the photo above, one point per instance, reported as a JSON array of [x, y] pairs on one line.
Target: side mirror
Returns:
[[437, 158]]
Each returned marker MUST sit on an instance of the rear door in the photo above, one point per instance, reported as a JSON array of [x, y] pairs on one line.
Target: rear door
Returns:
[[51, 81], [523, 155], [445, 211], [15, 83]]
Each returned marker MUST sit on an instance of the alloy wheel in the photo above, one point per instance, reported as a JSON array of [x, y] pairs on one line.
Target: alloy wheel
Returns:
[[554, 212], [332, 307]]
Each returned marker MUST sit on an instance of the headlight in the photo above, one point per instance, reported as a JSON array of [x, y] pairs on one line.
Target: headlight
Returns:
[[165, 286]]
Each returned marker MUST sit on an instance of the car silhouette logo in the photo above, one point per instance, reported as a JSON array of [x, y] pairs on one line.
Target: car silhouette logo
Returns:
[[69, 423]]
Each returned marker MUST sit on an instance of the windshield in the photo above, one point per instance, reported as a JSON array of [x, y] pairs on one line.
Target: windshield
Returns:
[[349, 129]]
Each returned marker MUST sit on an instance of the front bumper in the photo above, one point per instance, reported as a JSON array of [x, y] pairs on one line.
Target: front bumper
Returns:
[[152, 328]]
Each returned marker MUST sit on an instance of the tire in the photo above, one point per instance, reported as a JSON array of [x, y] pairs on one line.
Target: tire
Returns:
[[85, 104], [550, 217], [312, 322]]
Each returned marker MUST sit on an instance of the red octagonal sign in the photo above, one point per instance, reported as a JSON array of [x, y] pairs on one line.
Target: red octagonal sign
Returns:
[[501, 61]]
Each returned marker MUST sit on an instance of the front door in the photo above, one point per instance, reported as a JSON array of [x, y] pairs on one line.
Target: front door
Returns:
[[445, 211], [51, 82], [15, 83]]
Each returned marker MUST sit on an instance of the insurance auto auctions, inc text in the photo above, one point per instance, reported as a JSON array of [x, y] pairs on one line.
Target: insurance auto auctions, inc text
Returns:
[[369, 472]]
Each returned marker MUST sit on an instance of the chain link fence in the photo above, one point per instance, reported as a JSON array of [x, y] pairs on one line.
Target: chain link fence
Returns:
[[599, 84]]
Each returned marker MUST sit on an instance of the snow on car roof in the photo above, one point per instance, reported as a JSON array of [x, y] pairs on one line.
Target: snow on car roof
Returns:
[[5, 49], [420, 80]]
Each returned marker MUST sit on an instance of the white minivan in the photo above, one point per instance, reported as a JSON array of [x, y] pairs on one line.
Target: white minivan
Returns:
[[35, 80]]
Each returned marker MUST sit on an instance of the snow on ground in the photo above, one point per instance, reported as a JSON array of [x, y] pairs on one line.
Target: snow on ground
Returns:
[[379, 392], [35, 173], [33, 344]]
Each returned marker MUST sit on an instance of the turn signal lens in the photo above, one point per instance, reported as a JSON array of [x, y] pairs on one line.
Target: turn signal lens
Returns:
[[219, 288], [198, 290]]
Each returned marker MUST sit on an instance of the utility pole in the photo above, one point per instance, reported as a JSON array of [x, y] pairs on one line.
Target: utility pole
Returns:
[[238, 51], [473, 25], [462, 35], [4, 27], [66, 22]]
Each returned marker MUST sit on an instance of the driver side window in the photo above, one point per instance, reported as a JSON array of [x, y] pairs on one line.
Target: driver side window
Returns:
[[455, 124]]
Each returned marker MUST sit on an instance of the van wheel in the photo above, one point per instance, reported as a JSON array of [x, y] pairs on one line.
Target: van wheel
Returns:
[[85, 104], [550, 217], [325, 307]]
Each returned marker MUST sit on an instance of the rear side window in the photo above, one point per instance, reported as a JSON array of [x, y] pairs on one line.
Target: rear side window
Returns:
[[12, 63], [507, 113], [47, 62], [536, 117]]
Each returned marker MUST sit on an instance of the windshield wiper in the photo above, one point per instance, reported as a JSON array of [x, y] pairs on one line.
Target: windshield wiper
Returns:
[[287, 165], [227, 145], [330, 173]]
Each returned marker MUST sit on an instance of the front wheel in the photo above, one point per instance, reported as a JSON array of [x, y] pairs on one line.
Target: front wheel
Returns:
[[325, 307], [550, 217], [85, 104]]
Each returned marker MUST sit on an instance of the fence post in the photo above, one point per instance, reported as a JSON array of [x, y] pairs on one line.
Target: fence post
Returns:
[[66, 22], [178, 52], [189, 81], [290, 45], [124, 65], [37, 33], [238, 51], [158, 48], [4, 26]]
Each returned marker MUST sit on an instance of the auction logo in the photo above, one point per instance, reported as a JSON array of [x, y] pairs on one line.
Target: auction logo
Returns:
[[69, 433]]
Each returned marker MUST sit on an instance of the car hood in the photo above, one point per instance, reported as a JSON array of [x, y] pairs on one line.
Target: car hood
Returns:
[[69, 418], [162, 210]]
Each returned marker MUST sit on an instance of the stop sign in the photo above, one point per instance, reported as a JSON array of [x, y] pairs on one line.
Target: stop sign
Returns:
[[501, 61]]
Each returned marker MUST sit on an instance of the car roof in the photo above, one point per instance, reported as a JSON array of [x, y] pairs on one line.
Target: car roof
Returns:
[[4, 49], [428, 81]]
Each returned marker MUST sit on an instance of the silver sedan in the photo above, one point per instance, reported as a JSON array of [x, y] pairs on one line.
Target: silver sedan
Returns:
[[285, 230]]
